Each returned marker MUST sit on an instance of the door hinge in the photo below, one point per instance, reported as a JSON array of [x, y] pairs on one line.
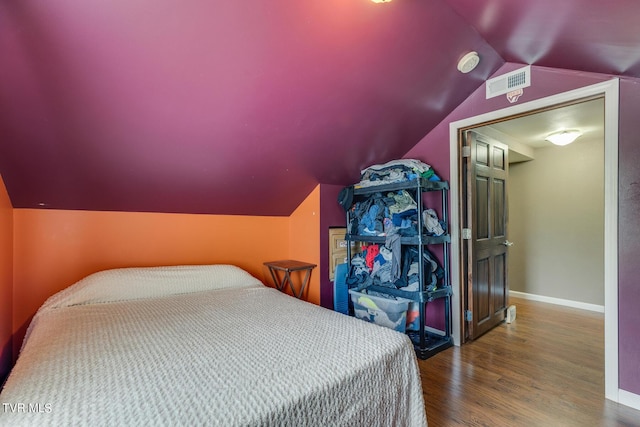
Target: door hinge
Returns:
[[466, 234], [468, 315], [466, 151]]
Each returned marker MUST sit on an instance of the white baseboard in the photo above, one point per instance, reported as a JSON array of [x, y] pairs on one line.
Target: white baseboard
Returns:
[[629, 399], [558, 301]]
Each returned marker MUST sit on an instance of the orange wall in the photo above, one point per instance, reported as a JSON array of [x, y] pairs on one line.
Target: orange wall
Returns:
[[6, 280], [304, 241], [55, 248]]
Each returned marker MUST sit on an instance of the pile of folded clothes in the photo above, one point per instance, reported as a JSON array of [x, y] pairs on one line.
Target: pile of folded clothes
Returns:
[[396, 171]]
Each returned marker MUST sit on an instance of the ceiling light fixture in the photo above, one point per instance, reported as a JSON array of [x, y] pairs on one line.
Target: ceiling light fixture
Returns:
[[381, 1], [563, 137], [468, 62]]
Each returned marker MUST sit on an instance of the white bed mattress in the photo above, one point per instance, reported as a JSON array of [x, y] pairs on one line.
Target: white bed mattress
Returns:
[[206, 345]]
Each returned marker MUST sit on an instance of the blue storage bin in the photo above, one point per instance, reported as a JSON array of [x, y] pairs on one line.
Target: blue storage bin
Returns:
[[387, 312]]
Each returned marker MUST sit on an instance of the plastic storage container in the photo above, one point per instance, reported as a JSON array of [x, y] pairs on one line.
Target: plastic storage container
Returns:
[[413, 316], [387, 312]]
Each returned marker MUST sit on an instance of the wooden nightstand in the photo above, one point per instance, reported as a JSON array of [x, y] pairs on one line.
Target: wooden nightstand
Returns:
[[281, 274]]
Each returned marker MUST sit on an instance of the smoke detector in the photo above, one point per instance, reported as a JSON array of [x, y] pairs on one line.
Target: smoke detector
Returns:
[[468, 62]]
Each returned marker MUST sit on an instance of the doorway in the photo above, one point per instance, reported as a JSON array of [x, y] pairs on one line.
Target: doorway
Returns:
[[609, 90], [555, 214]]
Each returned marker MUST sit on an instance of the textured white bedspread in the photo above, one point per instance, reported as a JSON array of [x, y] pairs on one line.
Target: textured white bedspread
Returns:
[[241, 356]]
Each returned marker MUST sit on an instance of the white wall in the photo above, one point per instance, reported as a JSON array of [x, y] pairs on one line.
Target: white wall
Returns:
[[556, 221]]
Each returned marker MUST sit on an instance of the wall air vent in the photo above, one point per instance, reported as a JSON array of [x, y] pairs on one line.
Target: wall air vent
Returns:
[[511, 81]]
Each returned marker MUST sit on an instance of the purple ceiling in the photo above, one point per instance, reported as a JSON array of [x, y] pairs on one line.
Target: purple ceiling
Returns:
[[585, 35], [243, 107]]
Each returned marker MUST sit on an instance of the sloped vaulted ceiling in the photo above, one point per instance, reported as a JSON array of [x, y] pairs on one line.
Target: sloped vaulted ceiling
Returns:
[[584, 35], [242, 107]]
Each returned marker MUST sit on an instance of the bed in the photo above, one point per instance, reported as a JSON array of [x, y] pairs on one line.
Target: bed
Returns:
[[205, 345]]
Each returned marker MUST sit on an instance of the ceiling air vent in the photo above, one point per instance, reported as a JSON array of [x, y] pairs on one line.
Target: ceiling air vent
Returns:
[[505, 83]]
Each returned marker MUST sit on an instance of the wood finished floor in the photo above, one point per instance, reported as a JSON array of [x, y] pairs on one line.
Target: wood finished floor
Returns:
[[545, 369]]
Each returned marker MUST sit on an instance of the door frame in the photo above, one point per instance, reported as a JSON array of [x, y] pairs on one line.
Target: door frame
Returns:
[[610, 90]]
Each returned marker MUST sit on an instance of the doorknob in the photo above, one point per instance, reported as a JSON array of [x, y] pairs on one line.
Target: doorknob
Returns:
[[507, 243]]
